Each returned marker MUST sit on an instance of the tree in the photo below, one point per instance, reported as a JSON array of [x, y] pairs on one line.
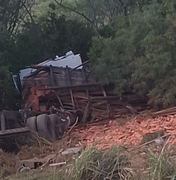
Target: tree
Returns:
[[102, 12], [51, 36], [141, 57], [97, 13], [12, 14]]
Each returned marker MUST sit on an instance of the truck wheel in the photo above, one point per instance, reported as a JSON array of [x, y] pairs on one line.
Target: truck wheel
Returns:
[[61, 130], [44, 126], [53, 118], [57, 126], [32, 124]]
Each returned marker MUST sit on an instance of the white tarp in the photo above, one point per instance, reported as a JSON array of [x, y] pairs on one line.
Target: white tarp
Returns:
[[69, 60]]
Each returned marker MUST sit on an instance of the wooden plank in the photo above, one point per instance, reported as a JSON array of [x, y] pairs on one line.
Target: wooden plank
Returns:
[[74, 86], [12, 132], [71, 92], [2, 122], [99, 103], [86, 111], [104, 98], [52, 77], [79, 66], [86, 78], [59, 99], [107, 104]]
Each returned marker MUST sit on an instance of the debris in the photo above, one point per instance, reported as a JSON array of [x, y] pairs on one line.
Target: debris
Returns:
[[73, 150], [23, 168], [57, 164], [159, 141], [47, 160], [130, 133], [165, 112], [152, 136], [66, 83], [34, 163], [73, 126]]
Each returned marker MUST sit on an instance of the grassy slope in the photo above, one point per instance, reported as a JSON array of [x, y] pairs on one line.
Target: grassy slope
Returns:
[[115, 163]]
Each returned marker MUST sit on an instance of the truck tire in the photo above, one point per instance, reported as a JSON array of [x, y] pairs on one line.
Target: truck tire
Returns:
[[32, 124], [44, 126], [61, 130], [53, 119], [57, 126]]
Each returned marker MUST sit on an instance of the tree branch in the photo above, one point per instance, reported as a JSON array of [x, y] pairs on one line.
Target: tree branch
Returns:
[[124, 6], [27, 10], [79, 13], [14, 19]]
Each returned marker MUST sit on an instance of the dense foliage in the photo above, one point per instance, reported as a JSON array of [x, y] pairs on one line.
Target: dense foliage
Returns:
[[129, 43], [141, 56]]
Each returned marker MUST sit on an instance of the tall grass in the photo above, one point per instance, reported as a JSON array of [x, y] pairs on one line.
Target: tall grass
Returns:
[[161, 164], [95, 164], [114, 164]]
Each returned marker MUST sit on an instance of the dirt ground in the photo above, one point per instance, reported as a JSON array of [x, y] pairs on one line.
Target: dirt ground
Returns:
[[9, 166], [103, 134]]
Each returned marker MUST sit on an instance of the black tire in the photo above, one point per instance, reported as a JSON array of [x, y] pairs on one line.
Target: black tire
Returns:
[[44, 126], [57, 127], [53, 118], [32, 124], [61, 130]]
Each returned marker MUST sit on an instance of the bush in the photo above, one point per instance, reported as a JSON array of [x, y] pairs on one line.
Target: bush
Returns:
[[140, 59]]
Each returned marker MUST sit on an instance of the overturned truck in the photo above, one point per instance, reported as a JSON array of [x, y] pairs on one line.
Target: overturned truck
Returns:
[[62, 92]]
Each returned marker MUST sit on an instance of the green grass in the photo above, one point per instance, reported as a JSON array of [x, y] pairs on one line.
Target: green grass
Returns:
[[161, 165], [111, 164], [95, 164]]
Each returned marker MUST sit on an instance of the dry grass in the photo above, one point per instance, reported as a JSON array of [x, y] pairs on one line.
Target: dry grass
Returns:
[[39, 148], [111, 164]]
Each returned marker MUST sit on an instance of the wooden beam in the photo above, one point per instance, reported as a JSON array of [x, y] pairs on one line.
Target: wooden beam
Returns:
[[52, 77], [69, 82], [2, 122], [73, 86], [107, 104], [86, 111], [13, 132], [79, 66]]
